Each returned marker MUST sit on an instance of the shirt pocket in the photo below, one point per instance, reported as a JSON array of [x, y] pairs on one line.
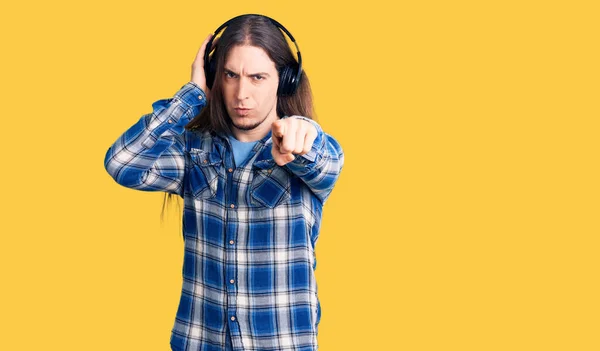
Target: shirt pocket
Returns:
[[203, 175], [270, 186]]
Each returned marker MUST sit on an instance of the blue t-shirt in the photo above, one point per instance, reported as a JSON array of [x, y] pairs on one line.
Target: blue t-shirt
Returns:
[[241, 149]]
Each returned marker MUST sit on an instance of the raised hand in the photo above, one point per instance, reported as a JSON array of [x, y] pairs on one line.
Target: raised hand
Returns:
[[198, 75]]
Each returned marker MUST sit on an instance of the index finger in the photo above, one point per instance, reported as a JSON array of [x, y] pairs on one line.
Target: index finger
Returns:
[[200, 54], [278, 128]]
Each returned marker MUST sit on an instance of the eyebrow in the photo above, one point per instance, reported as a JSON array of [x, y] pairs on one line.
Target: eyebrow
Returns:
[[249, 75]]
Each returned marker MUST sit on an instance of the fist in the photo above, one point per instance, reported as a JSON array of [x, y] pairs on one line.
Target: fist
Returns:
[[291, 136]]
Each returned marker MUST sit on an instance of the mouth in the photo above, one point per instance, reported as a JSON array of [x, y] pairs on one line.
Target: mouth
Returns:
[[242, 111]]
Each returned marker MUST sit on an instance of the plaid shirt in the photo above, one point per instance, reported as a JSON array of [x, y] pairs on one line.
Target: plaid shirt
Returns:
[[249, 232]]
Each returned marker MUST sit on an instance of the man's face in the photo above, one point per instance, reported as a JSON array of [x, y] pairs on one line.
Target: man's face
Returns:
[[250, 82]]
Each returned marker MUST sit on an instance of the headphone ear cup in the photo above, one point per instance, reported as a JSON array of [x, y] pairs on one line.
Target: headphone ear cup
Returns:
[[287, 81], [210, 72]]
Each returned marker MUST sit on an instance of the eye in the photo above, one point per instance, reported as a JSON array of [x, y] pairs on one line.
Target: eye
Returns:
[[259, 77], [230, 74]]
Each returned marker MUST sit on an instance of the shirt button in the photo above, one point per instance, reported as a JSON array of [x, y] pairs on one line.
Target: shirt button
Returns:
[[232, 281], [232, 206], [231, 242], [269, 171], [170, 121], [205, 161], [232, 318], [200, 97], [230, 170]]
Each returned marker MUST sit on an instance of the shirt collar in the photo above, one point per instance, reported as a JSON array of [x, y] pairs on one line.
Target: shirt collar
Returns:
[[263, 147]]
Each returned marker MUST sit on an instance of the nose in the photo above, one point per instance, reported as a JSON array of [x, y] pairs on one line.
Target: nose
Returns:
[[243, 90]]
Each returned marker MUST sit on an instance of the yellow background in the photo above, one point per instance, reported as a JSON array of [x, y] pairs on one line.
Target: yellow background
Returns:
[[466, 216]]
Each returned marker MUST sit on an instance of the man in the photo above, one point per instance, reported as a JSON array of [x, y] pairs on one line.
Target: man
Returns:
[[238, 144]]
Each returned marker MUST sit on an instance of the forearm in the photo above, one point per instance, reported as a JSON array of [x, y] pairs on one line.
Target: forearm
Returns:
[[150, 154], [321, 166]]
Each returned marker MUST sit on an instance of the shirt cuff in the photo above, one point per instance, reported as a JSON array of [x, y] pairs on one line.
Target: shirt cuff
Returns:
[[192, 95], [172, 115], [194, 99]]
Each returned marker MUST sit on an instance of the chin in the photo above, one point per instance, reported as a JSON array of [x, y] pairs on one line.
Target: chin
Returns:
[[248, 125], [244, 123]]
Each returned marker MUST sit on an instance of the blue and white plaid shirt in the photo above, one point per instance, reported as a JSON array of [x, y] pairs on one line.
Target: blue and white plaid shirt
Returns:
[[249, 232]]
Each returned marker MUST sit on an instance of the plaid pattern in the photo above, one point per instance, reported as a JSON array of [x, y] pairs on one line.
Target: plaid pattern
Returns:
[[249, 232]]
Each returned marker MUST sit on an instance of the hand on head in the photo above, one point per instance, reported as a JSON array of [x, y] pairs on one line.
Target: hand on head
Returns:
[[198, 75]]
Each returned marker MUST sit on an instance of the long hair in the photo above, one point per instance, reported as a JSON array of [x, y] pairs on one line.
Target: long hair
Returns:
[[260, 32]]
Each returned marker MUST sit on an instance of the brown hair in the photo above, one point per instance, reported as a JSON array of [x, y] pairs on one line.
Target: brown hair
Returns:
[[260, 32]]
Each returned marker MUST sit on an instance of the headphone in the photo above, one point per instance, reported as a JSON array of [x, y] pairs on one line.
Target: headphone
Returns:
[[289, 75]]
